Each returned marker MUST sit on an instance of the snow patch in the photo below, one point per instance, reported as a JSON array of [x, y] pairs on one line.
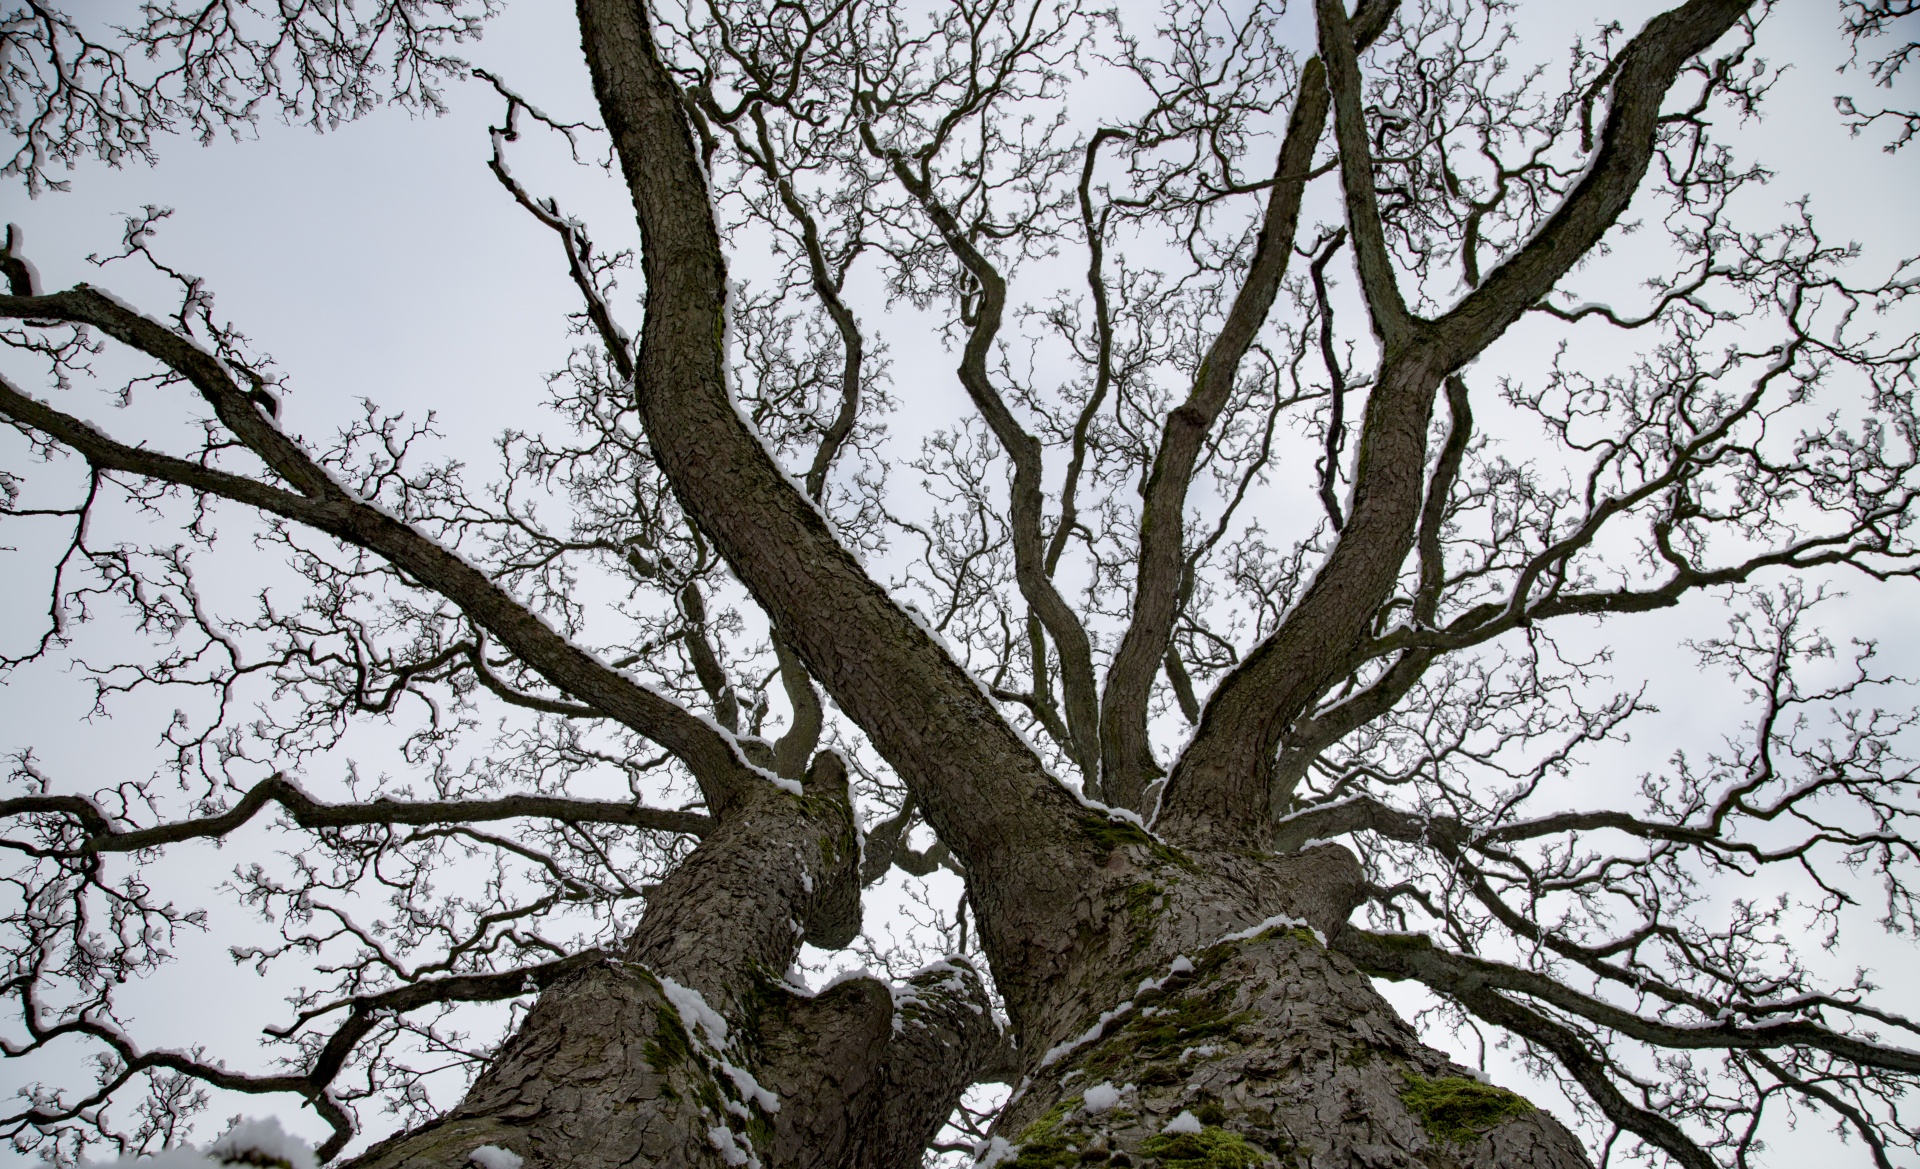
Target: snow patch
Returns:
[[694, 1011], [905, 995], [1277, 921], [1185, 1122], [494, 1157], [1101, 1097], [1092, 1033], [746, 1085], [991, 1152], [721, 1137]]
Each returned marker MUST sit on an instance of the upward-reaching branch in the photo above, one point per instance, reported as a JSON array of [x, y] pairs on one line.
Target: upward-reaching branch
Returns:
[[1385, 306], [1127, 761], [1222, 788], [1025, 453], [983, 789], [1641, 77]]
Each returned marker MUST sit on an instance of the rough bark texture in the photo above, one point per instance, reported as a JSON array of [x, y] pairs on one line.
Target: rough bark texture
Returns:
[[1285, 1050], [1283, 1054], [604, 1072], [873, 1071]]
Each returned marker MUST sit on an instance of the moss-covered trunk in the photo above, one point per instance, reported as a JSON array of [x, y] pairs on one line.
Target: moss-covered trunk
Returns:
[[1225, 1033]]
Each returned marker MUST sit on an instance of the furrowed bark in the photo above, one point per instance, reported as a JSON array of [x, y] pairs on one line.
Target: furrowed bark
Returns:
[[1222, 789], [1127, 762], [982, 788], [611, 1067], [1280, 1052]]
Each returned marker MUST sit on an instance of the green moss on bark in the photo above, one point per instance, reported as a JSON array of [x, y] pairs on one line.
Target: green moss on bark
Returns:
[[1043, 1145], [1210, 1148], [1460, 1110], [1109, 834]]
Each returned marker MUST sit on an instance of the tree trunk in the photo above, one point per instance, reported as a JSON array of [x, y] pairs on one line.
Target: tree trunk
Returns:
[[1201, 1020]]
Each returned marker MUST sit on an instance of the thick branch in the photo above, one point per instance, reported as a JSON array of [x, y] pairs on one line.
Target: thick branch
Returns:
[[983, 789], [1222, 788], [1642, 75], [1385, 306], [1078, 693], [1403, 956]]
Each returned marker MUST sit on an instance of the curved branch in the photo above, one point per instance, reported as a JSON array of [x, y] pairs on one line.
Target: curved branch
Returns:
[[103, 837], [1416, 957], [983, 788], [1641, 77], [1222, 788], [319, 502], [1078, 692]]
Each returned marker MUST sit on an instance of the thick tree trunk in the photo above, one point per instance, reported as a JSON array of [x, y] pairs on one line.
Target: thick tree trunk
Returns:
[[1200, 1020], [1270, 1051], [1203, 985], [690, 1049]]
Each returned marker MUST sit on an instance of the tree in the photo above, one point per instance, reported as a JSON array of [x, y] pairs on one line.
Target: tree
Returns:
[[1192, 472]]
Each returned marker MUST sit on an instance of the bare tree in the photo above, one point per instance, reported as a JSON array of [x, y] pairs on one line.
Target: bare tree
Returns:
[[1230, 484]]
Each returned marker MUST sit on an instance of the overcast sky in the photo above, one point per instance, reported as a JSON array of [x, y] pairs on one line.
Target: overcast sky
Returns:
[[382, 261]]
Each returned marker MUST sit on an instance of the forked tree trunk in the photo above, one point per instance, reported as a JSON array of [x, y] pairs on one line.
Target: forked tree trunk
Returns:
[[1200, 1021]]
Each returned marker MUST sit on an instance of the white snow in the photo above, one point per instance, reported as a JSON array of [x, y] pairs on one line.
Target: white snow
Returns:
[[846, 974], [1121, 815], [1101, 1097], [905, 994], [694, 1011], [494, 1157], [1277, 921], [1088, 1036], [1180, 965], [991, 1152], [721, 1137], [1185, 1122], [747, 1086]]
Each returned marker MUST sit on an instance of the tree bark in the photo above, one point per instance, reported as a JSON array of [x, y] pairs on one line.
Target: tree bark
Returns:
[[1282, 1053]]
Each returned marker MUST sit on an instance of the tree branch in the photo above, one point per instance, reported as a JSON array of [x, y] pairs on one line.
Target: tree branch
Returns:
[[1126, 756], [103, 837], [323, 504]]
